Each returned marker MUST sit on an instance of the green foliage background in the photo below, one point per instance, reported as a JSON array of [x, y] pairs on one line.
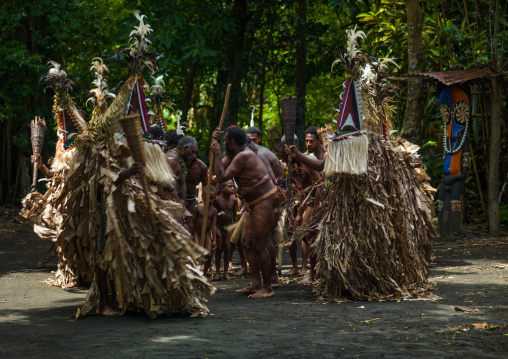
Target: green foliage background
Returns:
[[203, 33]]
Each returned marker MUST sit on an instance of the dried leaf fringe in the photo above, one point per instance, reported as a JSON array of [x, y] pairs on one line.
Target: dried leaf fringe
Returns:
[[154, 269], [374, 231]]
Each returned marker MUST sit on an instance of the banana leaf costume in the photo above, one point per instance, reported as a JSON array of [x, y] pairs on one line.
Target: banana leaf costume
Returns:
[[374, 223]]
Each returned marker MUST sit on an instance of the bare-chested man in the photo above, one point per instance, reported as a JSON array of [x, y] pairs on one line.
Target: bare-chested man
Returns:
[[184, 153], [196, 172], [317, 150], [261, 197], [274, 169], [227, 206], [198, 214]]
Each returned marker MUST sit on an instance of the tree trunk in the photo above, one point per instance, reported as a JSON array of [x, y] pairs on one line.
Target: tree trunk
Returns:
[[301, 70], [494, 153], [261, 99], [235, 56], [188, 91], [412, 127]]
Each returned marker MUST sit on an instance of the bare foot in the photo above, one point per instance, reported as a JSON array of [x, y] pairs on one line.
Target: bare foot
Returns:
[[307, 280], [109, 311], [292, 272], [263, 293], [227, 276], [249, 289], [276, 284], [240, 272], [216, 276], [303, 272]]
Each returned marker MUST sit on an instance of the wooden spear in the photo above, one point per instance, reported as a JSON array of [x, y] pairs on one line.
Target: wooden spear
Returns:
[[210, 171]]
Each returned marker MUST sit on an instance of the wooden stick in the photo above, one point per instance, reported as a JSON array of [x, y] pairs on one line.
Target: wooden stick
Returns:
[[237, 233], [210, 171]]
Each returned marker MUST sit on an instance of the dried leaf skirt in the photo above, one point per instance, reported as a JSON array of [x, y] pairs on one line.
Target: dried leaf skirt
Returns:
[[152, 269], [40, 210], [374, 231]]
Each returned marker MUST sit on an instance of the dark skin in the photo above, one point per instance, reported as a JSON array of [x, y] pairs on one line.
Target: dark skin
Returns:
[[196, 224], [255, 138], [306, 210], [189, 154], [196, 172], [269, 159], [250, 173], [227, 206], [271, 163], [294, 246], [45, 171], [107, 302]]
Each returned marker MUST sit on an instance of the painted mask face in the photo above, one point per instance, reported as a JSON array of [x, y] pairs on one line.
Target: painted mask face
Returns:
[[70, 125], [350, 112], [137, 104], [455, 109]]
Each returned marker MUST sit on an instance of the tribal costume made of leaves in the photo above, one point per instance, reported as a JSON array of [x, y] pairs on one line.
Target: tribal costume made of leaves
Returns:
[[374, 231], [42, 209], [374, 223], [154, 269]]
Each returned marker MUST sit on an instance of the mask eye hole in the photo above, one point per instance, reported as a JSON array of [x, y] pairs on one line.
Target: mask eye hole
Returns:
[[461, 112]]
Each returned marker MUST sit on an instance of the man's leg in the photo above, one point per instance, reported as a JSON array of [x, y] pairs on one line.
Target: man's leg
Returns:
[[227, 257], [306, 242], [247, 238], [263, 216], [273, 256], [294, 260], [218, 254], [107, 303], [208, 256], [243, 259]]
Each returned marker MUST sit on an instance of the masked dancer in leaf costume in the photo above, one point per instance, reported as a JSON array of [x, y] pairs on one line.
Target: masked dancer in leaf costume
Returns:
[[42, 209], [374, 226], [114, 224]]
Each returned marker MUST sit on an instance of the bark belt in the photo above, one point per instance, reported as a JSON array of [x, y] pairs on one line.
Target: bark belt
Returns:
[[263, 197]]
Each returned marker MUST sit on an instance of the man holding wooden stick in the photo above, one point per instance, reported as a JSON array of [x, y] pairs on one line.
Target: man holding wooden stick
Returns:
[[261, 197]]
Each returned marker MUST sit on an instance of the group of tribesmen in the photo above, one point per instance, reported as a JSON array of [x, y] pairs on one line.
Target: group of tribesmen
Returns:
[[249, 171], [125, 204]]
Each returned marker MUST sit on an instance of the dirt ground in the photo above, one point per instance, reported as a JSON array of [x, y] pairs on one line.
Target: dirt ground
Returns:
[[471, 273]]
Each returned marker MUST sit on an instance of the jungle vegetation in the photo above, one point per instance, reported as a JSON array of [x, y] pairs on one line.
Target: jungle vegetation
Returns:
[[267, 49]]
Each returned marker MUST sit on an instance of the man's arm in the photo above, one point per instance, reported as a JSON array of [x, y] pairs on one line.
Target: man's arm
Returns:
[[204, 174], [309, 161], [223, 174], [135, 169], [268, 166], [45, 171]]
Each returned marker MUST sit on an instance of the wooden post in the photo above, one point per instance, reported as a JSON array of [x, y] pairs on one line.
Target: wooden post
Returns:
[[210, 171]]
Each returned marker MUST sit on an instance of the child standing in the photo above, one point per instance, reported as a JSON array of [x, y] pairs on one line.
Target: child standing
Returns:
[[227, 207]]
